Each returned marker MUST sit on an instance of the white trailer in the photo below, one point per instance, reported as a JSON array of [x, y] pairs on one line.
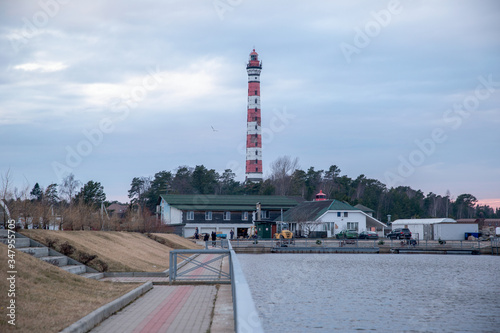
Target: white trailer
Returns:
[[453, 231]]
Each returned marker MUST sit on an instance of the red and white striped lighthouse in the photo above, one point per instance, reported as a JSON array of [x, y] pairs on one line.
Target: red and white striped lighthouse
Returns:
[[253, 171]]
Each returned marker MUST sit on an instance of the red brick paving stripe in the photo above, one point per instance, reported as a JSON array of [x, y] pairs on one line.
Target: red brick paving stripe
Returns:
[[163, 316]]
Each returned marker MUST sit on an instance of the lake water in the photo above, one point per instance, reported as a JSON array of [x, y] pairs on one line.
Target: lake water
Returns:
[[375, 292]]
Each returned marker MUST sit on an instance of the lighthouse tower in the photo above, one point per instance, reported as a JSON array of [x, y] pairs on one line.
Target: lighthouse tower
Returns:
[[253, 171]]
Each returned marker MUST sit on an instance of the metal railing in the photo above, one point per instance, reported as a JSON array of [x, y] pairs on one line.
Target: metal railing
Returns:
[[436, 244], [246, 318], [193, 269], [367, 243], [222, 243], [495, 244], [307, 242]]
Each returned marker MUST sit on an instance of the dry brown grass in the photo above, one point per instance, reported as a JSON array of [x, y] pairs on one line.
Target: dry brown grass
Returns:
[[121, 251], [49, 299], [175, 242]]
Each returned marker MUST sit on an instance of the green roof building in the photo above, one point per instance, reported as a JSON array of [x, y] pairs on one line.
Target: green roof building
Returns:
[[221, 213], [330, 217]]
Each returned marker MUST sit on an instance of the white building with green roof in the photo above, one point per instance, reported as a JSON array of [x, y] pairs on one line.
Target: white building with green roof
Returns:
[[221, 213], [330, 216]]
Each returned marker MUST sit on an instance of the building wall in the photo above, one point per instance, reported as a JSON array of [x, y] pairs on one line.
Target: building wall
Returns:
[[217, 217], [332, 218], [190, 228], [176, 215], [164, 212], [236, 217], [169, 214]]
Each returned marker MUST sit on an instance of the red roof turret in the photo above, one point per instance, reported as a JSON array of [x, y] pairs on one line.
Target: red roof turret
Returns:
[[320, 196]]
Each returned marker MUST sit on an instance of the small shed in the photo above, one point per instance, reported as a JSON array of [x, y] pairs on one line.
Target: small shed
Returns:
[[265, 229]]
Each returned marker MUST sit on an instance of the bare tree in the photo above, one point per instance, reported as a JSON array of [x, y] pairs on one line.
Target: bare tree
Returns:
[[308, 226], [22, 207], [305, 220], [69, 186], [5, 184], [448, 196], [281, 173], [5, 195]]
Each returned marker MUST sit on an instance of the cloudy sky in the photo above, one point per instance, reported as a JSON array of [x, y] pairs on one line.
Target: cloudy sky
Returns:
[[405, 92]]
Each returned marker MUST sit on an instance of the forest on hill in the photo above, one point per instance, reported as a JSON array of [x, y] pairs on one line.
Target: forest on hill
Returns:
[[287, 178], [78, 204]]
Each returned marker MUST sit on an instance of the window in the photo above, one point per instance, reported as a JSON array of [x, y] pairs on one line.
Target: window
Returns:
[[352, 226], [255, 92], [257, 169], [244, 216], [208, 216], [256, 153], [256, 77], [256, 100], [255, 109], [264, 214], [227, 216], [256, 160], [256, 144], [190, 215], [255, 126], [338, 214], [345, 214]]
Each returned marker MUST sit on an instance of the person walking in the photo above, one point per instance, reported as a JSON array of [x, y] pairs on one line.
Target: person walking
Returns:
[[214, 237], [205, 238], [196, 233], [232, 234]]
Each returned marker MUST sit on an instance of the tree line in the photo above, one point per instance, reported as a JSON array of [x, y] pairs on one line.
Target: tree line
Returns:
[[70, 205], [287, 178], [84, 206]]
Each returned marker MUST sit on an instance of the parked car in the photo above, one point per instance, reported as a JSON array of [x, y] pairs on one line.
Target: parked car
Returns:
[[349, 234], [368, 235], [399, 233]]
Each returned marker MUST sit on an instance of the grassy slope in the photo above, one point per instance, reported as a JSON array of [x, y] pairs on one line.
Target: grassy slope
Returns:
[[49, 299], [122, 251], [176, 242]]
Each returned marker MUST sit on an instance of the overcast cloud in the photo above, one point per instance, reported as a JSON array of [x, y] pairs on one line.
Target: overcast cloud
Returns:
[[405, 92]]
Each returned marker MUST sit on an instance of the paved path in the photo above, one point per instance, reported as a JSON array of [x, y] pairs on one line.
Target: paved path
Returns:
[[165, 309], [177, 308]]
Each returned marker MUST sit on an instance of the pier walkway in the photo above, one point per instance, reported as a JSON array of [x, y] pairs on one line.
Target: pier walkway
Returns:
[[177, 308]]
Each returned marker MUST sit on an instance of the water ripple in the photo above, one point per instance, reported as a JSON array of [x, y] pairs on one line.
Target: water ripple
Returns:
[[376, 293]]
